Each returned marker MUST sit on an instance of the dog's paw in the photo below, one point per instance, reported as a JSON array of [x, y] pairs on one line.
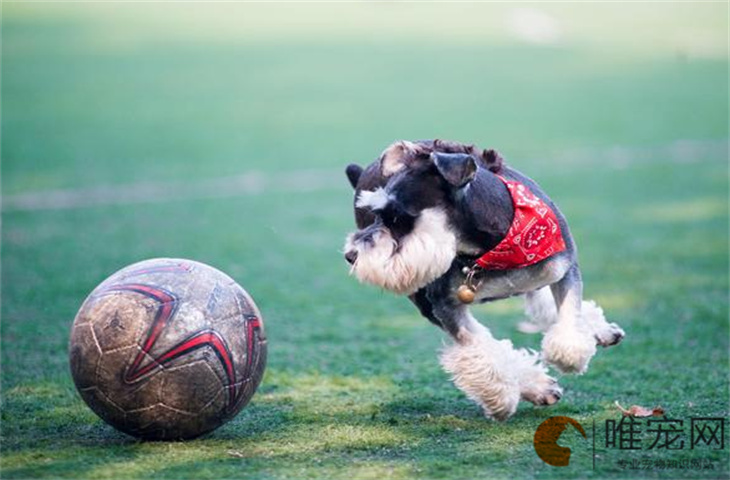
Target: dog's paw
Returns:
[[609, 335], [606, 334], [543, 392], [568, 348]]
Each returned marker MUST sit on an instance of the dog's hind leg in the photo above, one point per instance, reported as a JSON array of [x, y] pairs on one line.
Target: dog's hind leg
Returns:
[[492, 372], [541, 311], [570, 343], [542, 314]]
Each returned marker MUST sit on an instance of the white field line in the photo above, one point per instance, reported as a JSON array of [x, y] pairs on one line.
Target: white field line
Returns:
[[252, 183], [302, 181], [619, 157]]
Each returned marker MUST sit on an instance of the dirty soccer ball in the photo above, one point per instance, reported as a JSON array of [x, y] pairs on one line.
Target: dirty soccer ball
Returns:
[[167, 349]]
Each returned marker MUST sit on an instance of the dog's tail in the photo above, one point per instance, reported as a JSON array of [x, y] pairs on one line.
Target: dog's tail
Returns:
[[493, 161]]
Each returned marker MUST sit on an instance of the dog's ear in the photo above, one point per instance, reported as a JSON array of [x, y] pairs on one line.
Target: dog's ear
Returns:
[[401, 154], [457, 168], [353, 173]]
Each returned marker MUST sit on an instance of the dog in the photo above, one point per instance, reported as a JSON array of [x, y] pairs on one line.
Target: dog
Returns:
[[447, 223]]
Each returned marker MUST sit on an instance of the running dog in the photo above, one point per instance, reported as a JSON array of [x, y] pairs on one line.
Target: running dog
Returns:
[[448, 224]]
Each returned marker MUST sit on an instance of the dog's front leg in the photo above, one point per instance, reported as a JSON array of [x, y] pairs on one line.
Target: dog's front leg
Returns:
[[569, 343], [491, 372]]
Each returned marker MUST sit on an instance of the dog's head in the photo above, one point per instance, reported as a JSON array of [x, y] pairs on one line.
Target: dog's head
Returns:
[[406, 212]]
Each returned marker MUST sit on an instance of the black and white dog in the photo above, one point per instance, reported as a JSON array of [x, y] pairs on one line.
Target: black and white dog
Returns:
[[446, 223]]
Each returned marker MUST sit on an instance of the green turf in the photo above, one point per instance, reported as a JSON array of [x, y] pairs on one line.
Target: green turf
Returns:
[[624, 121]]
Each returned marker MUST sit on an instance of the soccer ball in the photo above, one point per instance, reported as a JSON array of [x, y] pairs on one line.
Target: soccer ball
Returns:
[[167, 349]]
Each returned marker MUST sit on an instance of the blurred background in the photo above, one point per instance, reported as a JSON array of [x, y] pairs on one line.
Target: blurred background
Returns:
[[220, 132], [98, 93]]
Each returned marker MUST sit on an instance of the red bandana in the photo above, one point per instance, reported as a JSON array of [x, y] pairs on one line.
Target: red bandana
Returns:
[[534, 235]]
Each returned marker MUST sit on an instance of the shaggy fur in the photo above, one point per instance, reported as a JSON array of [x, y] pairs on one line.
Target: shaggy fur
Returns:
[[497, 376]]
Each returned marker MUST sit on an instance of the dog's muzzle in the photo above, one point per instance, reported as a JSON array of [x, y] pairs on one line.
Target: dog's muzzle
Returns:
[[362, 240], [351, 257], [405, 265]]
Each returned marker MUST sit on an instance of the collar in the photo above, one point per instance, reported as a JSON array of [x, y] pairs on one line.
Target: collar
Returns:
[[533, 236]]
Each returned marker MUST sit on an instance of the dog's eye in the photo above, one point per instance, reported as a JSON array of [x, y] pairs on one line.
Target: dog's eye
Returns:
[[387, 218], [389, 215], [399, 222], [393, 216]]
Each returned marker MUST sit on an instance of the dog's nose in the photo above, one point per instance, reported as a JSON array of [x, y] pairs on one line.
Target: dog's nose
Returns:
[[351, 256]]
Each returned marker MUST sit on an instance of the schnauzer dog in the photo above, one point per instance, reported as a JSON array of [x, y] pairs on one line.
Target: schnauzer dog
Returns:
[[447, 224]]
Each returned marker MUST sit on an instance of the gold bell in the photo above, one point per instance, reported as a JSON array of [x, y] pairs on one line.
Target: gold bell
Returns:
[[466, 294]]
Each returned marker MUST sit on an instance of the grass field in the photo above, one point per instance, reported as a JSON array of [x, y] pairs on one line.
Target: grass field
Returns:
[[219, 132]]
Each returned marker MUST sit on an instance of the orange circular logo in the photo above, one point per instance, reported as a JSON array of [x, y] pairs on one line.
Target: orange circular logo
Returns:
[[546, 440]]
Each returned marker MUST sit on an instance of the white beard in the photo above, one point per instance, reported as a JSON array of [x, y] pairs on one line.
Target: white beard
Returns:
[[423, 255]]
